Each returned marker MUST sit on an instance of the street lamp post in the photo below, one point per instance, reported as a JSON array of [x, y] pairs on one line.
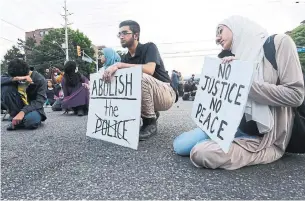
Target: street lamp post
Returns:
[[54, 42]]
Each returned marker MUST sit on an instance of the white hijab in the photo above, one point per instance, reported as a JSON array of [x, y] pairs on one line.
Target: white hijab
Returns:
[[247, 45]]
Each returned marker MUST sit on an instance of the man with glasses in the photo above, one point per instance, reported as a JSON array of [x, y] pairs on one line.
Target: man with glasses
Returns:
[[157, 91]]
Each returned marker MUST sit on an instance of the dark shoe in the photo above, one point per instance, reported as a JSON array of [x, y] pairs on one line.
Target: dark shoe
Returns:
[[80, 112], [148, 129], [157, 115], [10, 128]]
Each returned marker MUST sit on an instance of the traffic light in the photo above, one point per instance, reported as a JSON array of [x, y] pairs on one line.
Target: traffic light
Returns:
[[78, 51]]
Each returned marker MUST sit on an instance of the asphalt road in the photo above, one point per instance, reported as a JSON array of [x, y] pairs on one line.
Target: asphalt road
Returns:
[[58, 161]]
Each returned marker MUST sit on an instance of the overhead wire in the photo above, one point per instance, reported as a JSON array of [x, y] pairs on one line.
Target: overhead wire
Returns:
[[164, 43]]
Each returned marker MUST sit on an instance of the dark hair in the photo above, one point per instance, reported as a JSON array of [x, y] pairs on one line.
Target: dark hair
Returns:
[[72, 78], [133, 25], [18, 67], [225, 53]]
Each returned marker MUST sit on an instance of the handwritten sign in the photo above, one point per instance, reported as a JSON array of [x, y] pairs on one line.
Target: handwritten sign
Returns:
[[221, 99], [114, 109]]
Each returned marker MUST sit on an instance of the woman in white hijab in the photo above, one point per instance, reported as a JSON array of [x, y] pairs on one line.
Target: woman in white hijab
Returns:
[[265, 129]]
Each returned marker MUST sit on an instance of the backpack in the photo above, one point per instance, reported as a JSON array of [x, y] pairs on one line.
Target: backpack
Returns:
[[297, 140]]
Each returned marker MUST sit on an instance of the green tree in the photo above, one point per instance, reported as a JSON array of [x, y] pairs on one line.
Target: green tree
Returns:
[[298, 35], [11, 54], [50, 53]]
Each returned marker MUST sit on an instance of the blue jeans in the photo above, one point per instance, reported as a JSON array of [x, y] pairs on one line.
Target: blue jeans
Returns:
[[184, 143], [11, 98], [30, 121]]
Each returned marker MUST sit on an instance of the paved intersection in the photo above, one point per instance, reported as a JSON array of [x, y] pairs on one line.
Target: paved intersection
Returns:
[[58, 161]]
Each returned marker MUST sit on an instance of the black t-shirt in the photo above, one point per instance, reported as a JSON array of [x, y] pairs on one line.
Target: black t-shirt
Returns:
[[50, 93], [146, 53]]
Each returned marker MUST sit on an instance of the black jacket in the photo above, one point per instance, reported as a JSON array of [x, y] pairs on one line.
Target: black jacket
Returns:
[[36, 93]]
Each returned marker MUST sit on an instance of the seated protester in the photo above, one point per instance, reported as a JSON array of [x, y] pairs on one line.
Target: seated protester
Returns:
[[157, 92], [265, 129], [190, 89], [24, 93], [59, 96], [50, 93], [175, 80], [181, 84], [56, 76], [191, 81], [109, 57], [75, 87], [48, 73]]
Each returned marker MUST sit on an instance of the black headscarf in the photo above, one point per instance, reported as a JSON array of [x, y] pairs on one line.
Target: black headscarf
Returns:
[[72, 78]]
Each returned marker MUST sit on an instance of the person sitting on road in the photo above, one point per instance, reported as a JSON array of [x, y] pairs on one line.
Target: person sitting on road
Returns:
[[24, 93], [75, 87], [181, 84], [175, 80], [56, 75], [191, 84], [109, 57], [157, 92], [50, 93], [262, 138], [190, 89], [191, 81]]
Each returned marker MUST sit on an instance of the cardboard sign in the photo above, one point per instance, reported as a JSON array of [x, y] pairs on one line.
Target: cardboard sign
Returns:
[[114, 109], [221, 99]]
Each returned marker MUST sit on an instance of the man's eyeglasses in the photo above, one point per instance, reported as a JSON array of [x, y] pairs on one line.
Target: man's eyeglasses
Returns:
[[123, 33]]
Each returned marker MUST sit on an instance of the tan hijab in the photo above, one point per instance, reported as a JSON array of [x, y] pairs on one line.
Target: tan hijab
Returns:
[[247, 45]]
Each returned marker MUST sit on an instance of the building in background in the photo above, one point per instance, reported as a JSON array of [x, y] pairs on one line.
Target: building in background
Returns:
[[38, 34]]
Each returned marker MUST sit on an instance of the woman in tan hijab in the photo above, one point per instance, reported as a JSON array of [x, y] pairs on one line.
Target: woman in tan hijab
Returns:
[[269, 106]]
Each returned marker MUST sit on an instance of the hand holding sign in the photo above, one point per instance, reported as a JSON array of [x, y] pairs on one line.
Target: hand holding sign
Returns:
[[227, 59], [221, 98], [114, 109], [109, 72]]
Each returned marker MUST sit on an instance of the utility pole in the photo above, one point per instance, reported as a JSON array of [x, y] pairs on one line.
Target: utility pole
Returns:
[[66, 30]]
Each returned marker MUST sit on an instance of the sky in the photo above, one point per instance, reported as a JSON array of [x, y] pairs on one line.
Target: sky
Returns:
[[184, 31]]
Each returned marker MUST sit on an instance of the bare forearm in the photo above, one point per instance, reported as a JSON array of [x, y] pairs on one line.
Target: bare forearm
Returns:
[[124, 65], [146, 68]]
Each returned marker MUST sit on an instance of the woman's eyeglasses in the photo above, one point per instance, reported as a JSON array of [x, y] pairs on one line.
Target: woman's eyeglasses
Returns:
[[218, 33], [123, 33]]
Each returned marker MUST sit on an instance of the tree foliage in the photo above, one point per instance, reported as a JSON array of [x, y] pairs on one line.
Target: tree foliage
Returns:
[[11, 54], [298, 35], [50, 52]]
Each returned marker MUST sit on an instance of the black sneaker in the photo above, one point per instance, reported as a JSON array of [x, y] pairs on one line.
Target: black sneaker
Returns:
[[157, 115], [10, 127], [80, 112], [148, 130]]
